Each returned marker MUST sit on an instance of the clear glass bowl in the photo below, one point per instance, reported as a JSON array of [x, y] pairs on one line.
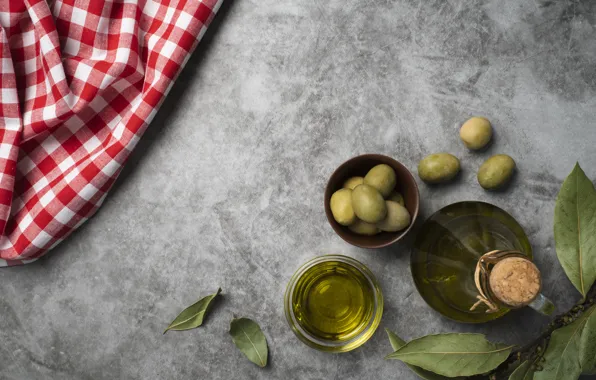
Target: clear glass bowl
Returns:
[[334, 345]]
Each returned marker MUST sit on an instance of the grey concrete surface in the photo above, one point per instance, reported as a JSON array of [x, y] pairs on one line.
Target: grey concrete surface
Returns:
[[226, 187]]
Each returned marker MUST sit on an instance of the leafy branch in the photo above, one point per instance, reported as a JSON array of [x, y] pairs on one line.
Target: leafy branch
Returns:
[[533, 352]]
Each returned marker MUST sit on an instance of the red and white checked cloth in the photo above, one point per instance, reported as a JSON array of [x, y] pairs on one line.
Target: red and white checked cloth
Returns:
[[80, 80]]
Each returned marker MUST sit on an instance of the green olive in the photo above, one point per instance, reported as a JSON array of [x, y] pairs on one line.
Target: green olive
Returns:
[[341, 207], [382, 178], [476, 132], [362, 228], [368, 204], [396, 197], [397, 218], [438, 167], [496, 171], [351, 183]]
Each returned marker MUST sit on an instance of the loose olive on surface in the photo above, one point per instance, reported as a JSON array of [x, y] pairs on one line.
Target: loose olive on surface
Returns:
[[496, 171], [368, 204], [396, 197], [382, 178], [362, 228], [476, 132], [341, 207], [397, 218], [352, 182], [438, 167]]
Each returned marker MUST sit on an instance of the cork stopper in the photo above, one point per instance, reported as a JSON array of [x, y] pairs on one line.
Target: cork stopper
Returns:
[[515, 281]]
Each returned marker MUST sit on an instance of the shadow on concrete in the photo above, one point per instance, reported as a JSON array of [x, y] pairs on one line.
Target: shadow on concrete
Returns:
[[157, 126], [177, 92]]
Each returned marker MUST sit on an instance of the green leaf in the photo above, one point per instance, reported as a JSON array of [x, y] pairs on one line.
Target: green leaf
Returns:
[[575, 229], [453, 354], [587, 342], [193, 316], [249, 339], [523, 372], [563, 352], [397, 342]]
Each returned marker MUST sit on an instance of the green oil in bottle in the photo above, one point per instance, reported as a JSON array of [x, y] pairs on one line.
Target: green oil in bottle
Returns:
[[333, 301], [447, 250]]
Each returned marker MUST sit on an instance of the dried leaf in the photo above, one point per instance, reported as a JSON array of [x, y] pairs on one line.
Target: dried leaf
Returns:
[[563, 361], [575, 229], [397, 342], [193, 316], [453, 354], [523, 372], [249, 339]]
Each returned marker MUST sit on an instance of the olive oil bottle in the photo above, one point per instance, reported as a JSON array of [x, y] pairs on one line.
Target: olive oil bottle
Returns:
[[447, 250], [333, 304]]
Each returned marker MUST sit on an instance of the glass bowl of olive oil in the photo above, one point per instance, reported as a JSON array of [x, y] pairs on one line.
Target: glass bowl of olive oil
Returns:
[[447, 249], [333, 303]]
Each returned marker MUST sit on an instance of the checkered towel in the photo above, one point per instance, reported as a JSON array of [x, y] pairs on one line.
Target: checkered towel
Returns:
[[80, 81]]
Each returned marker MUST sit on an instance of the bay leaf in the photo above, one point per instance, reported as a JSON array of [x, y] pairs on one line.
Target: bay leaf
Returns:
[[562, 356], [453, 354], [249, 339], [523, 372], [397, 342], [575, 229], [193, 316], [587, 342]]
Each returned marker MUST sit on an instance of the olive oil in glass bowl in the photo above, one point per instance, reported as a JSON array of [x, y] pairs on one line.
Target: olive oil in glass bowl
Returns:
[[447, 250], [333, 303]]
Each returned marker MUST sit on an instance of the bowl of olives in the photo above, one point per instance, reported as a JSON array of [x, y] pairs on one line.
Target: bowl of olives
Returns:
[[371, 201]]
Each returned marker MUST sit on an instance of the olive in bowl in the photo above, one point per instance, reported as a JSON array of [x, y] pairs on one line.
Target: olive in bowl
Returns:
[[385, 201]]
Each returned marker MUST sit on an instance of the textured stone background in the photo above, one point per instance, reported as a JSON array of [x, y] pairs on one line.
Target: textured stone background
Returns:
[[226, 187]]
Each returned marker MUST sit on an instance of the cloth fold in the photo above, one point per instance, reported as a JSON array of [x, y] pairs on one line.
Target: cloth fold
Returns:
[[79, 83]]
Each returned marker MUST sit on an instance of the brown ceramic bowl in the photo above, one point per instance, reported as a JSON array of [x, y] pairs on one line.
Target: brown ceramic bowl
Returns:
[[359, 166]]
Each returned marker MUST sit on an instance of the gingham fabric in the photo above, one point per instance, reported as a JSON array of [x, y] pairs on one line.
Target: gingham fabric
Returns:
[[80, 80]]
